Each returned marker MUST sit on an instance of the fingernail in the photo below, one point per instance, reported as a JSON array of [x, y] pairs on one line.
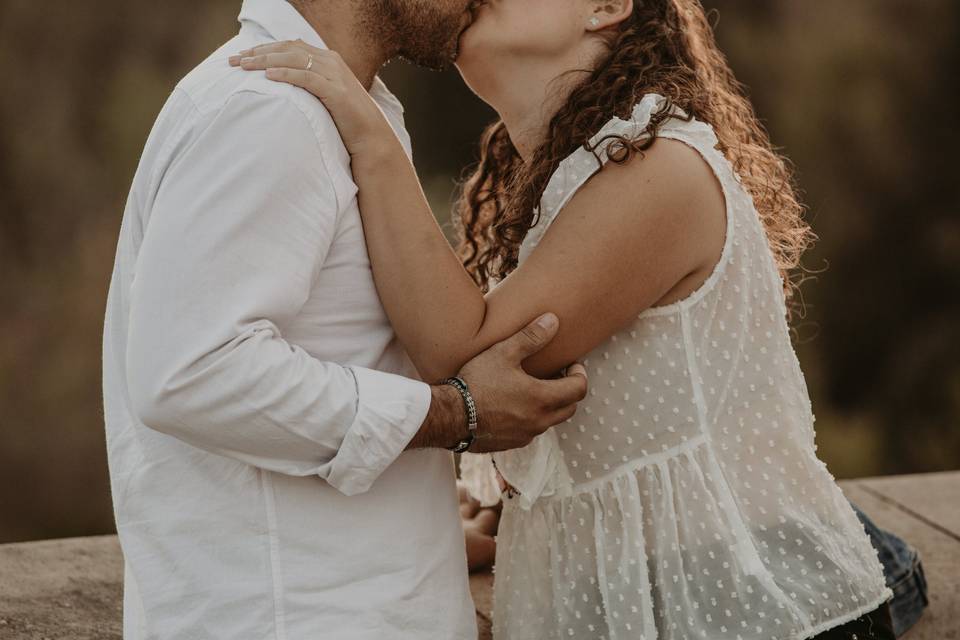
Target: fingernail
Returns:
[[547, 321], [234, 60]]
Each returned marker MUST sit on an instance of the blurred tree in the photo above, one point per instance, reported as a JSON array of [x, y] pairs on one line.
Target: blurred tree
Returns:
[[862, 97]]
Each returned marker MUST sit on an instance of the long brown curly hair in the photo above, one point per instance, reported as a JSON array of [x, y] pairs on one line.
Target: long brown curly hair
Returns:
[[666, 47]]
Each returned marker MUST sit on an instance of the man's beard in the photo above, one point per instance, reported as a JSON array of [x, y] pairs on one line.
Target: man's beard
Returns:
[[416, 30]]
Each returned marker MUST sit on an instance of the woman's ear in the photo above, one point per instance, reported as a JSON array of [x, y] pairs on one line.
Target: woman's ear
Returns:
[[604, 14]]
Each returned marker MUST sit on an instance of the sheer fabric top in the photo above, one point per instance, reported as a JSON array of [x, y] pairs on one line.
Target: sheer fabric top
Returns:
[[685, 498]]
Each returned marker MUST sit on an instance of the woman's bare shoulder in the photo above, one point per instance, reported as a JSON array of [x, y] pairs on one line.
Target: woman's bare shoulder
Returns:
[[667, 200], [669, 183]]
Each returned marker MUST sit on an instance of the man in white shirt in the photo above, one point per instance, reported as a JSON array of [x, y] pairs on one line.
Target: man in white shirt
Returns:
[[278, 471]]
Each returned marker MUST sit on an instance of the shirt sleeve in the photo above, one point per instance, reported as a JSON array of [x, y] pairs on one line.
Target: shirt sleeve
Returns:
[[241, 223]]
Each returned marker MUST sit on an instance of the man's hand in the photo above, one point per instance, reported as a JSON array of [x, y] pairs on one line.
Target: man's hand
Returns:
[[513, 406]]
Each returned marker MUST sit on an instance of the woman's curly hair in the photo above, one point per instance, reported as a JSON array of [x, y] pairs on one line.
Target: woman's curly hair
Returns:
[[665, 47]]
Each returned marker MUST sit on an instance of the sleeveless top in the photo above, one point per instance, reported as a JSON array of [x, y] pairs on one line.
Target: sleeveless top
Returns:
[[684, 499]]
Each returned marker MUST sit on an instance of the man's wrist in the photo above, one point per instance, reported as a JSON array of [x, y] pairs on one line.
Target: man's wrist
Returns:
[[471, 408], [446, 421]]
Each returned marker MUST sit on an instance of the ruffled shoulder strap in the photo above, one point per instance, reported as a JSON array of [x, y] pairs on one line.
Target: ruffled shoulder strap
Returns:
[[574, 171]]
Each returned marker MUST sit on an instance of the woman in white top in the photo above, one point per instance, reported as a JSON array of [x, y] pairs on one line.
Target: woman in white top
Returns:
[[684, 499]]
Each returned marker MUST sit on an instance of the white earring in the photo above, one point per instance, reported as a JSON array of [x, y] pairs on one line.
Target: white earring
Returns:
[[594, 21]]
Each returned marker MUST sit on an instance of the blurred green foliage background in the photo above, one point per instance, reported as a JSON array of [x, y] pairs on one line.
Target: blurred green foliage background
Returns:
[[861, 94]]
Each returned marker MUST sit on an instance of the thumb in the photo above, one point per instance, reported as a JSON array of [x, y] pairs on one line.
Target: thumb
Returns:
[[533, 337]]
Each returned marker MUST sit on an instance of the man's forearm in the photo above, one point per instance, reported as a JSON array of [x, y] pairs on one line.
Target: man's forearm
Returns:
[[446, 422]]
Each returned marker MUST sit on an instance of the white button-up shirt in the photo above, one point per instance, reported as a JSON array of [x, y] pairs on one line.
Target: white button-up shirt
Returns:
[[255, 423]]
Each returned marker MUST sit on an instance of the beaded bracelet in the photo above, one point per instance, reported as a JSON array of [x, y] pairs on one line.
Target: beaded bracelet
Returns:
[[460, 385]]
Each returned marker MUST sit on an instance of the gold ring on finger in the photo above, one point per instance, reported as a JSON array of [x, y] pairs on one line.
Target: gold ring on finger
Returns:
[[309, 61]]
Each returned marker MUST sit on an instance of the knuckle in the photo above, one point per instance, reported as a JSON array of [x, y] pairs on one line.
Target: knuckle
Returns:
[[530, 335], [542, 421], [546, 401], [540, 416]]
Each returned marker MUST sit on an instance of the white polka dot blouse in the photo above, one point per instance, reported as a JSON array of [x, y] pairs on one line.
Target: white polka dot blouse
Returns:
[[684, 500]]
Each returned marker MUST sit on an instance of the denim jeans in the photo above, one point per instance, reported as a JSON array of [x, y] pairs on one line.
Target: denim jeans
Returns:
[[903, 572]]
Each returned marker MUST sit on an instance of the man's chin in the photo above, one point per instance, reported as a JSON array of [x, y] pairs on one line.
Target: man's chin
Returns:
[[438, 62], [435, 59], [438, 58]]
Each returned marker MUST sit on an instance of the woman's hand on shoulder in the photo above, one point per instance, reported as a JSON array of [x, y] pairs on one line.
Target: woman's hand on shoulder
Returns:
[[323, 72]]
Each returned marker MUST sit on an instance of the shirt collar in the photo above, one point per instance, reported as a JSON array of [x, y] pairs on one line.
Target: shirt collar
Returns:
[[279, 19], [283, 22]]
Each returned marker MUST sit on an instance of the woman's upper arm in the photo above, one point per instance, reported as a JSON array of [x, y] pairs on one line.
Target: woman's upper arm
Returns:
[[623, 242]]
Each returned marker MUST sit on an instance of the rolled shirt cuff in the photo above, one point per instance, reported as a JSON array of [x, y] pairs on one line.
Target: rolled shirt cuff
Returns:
[[390, 412]]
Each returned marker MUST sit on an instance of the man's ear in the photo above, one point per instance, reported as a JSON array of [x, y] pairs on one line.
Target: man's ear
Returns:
[[604, 14]]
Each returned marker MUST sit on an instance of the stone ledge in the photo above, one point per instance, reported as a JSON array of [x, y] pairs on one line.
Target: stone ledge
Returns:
[[71, 588], [57, 589]]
